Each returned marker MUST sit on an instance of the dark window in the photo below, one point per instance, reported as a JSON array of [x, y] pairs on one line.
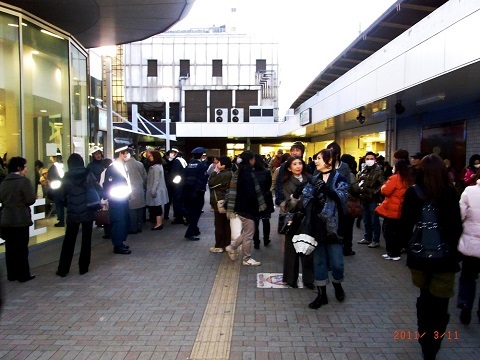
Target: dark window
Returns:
[[152, 68], [255, 112], [267, 112], [261, 65], [185, 68], [217, 68]]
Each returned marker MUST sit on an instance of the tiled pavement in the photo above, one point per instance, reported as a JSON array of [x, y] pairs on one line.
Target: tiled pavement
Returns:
[[150, 304]]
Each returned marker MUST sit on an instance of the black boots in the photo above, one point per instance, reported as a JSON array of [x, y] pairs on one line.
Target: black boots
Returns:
[[321, 298], [322, 295], [433, 318], [339, 293]]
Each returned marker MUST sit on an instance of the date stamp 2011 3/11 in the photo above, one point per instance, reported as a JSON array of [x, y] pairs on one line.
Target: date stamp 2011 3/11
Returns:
[[415, 335]]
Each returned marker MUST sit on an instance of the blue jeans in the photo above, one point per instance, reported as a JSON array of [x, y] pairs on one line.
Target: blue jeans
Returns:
[[324, 255], [371, 221]]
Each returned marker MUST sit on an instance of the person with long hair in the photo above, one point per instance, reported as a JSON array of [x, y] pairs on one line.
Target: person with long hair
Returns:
[[264, 177], [244, 203], [324, 200], [391, 208], [218, 182], [469, 247], [349, 220], [74, 194], [157, 193], [295, 178], [436, 282], [16, 196]]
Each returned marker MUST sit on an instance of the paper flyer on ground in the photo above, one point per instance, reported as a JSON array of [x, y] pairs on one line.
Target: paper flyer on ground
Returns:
[[274, 281]]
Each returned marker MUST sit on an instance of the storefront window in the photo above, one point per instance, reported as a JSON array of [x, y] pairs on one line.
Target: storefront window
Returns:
[[78, 83], [10, 124]]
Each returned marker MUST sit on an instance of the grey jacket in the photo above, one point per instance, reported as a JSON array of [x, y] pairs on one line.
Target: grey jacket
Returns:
[[157, 193], [16, 196], [138, 178]]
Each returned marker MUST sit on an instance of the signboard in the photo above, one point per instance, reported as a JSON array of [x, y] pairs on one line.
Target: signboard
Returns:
[[306, 117]]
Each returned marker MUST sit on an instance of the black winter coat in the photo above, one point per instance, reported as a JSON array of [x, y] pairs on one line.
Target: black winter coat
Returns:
[[264, 178], [74, 187], [246, 202]]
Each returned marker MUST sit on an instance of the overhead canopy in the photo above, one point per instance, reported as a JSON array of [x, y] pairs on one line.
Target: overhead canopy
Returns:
[[97, 23], [400, 17]]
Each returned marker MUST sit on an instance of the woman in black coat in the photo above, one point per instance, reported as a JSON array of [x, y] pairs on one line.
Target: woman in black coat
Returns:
[[295, 178], [433, 189], [75, 184], [16, 196], [264, 178]]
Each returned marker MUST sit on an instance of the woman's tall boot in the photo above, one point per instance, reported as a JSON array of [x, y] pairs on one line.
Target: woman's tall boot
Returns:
[[321, 298], [339, 293]]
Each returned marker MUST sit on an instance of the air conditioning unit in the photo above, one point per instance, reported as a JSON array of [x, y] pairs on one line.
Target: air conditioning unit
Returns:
[[236, 115], [221, 115], [261, 114]]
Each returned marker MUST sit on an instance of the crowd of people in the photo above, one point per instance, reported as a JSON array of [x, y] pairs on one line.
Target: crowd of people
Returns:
[[243, 193]]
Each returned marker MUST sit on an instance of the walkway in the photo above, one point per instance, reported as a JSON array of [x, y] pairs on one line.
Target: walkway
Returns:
[[173, 299]]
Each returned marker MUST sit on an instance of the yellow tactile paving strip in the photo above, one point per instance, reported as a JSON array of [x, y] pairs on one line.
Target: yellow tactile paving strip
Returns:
[[215, 333]]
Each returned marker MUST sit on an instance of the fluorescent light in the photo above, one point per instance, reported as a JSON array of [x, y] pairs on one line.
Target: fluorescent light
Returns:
[[430, 100], [43, 111], [13, 25], [51, 34], [35, 52]]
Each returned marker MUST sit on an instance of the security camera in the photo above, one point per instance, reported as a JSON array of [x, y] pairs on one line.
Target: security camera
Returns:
[[360, 118]]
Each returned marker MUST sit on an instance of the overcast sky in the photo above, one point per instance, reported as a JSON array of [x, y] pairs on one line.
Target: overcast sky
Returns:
[[310, 33]]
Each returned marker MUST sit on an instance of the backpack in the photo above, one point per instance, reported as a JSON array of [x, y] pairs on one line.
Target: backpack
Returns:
[[427, 247]]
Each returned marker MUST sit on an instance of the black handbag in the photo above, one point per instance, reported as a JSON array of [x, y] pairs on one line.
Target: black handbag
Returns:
[[289, 222]]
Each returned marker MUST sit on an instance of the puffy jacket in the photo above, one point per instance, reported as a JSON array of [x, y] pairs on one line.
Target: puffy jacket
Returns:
[[218, 183], [470, 209], [394, 192], [75, 183], [367, 188]]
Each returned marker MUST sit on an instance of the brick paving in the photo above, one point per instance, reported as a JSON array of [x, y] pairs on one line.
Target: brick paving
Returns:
[[150, 304]]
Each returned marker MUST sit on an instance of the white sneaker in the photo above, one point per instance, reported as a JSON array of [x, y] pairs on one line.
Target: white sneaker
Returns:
[[2, 241], [251, 262], [394, 258], [232, 254], [216, 250], [385, 256], [373, 245], [364, 242]]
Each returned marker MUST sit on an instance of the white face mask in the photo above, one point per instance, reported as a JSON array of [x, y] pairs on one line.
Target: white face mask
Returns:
[[239, 160], [369, 162], [128, 156], [171, 156], [477, 166]]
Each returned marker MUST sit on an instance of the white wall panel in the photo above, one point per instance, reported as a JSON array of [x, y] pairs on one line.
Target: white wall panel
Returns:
[[441, 42], [459, 48]]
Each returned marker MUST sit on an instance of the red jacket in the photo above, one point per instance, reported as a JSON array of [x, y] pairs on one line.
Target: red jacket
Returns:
[[394, 192]]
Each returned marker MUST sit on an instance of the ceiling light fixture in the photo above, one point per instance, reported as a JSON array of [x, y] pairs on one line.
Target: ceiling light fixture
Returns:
[[51, 34], [430, 100]]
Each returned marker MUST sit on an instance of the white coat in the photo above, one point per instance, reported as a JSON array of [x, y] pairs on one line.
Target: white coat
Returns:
[[157, 193], [469, 243]]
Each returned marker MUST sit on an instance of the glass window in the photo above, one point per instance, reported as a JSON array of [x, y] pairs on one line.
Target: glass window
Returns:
[[47, 107], [78, 84], [10, 124]]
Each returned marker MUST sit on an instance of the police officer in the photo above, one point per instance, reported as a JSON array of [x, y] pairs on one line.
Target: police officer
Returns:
[[177, 177], [117, 189], [95, 166], [196, 178]]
